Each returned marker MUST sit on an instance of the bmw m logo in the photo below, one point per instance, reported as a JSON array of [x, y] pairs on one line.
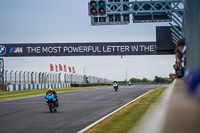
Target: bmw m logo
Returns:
[[16, 50], [2, 50]]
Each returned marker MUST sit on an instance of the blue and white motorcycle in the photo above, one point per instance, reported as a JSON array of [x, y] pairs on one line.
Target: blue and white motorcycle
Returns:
[[51, 102]]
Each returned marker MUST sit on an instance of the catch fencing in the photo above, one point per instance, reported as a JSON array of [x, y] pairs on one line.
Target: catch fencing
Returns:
[[28, 77]]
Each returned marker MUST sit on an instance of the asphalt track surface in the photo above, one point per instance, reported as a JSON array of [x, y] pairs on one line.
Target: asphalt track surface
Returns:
[[76, 110]]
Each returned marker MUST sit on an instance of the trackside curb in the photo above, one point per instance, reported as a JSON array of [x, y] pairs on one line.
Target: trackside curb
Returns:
[[103, 118]]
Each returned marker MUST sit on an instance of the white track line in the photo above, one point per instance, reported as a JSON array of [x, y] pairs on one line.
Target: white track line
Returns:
[[103, 118]]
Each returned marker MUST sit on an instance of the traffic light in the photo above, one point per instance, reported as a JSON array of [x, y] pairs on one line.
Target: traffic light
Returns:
[[101, 16], [97, 8], [102, 9], [93, 5]]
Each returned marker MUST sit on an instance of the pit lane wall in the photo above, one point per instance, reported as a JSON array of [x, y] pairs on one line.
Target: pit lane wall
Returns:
[[20, 87]]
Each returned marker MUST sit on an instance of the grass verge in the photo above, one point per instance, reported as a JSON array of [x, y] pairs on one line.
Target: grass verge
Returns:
[[128, 118], [11, 95]]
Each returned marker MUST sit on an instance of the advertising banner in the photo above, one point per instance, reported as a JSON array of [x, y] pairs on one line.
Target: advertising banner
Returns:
[[78, 49]]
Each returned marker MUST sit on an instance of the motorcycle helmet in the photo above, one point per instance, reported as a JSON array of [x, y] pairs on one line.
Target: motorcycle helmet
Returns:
[[50, 89]]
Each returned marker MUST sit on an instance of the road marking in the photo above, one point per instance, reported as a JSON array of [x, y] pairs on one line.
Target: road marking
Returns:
[[103, 118]]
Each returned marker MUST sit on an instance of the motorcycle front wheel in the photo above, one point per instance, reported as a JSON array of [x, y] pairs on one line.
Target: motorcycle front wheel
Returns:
[[51, 107]]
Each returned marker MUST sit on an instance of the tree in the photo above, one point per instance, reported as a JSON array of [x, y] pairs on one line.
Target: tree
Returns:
[[145, 80], [161, 80], [155, 80], [133, 80]]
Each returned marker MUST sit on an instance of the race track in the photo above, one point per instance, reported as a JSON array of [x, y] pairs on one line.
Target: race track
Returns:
[[76, 110]]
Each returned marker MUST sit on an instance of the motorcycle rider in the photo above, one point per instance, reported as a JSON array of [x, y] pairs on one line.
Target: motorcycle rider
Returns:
[[129, 83], [51, 91], [115, 85]]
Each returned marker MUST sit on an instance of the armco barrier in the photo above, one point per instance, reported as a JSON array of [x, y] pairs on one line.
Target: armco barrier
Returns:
[[36, 86]]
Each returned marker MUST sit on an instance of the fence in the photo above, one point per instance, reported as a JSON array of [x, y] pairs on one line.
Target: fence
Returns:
[[28, 77]]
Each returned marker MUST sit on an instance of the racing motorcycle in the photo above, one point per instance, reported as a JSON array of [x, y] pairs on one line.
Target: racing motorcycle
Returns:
[[51, 101], [115, 86]]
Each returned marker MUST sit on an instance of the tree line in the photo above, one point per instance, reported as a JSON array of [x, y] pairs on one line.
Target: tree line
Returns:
[[155, 80]]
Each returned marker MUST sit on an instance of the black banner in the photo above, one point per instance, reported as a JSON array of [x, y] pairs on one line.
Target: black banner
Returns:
[[78, 49]]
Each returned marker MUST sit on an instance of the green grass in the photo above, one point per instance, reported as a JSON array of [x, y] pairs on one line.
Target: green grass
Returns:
[[11, 95], [128, 118]]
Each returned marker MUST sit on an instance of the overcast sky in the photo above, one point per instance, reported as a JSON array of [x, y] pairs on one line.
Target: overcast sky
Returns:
[[56, 21]]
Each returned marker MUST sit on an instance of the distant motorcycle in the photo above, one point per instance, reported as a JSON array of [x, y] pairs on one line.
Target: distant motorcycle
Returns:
[[129, 84], [51, 101], [115, 86]]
